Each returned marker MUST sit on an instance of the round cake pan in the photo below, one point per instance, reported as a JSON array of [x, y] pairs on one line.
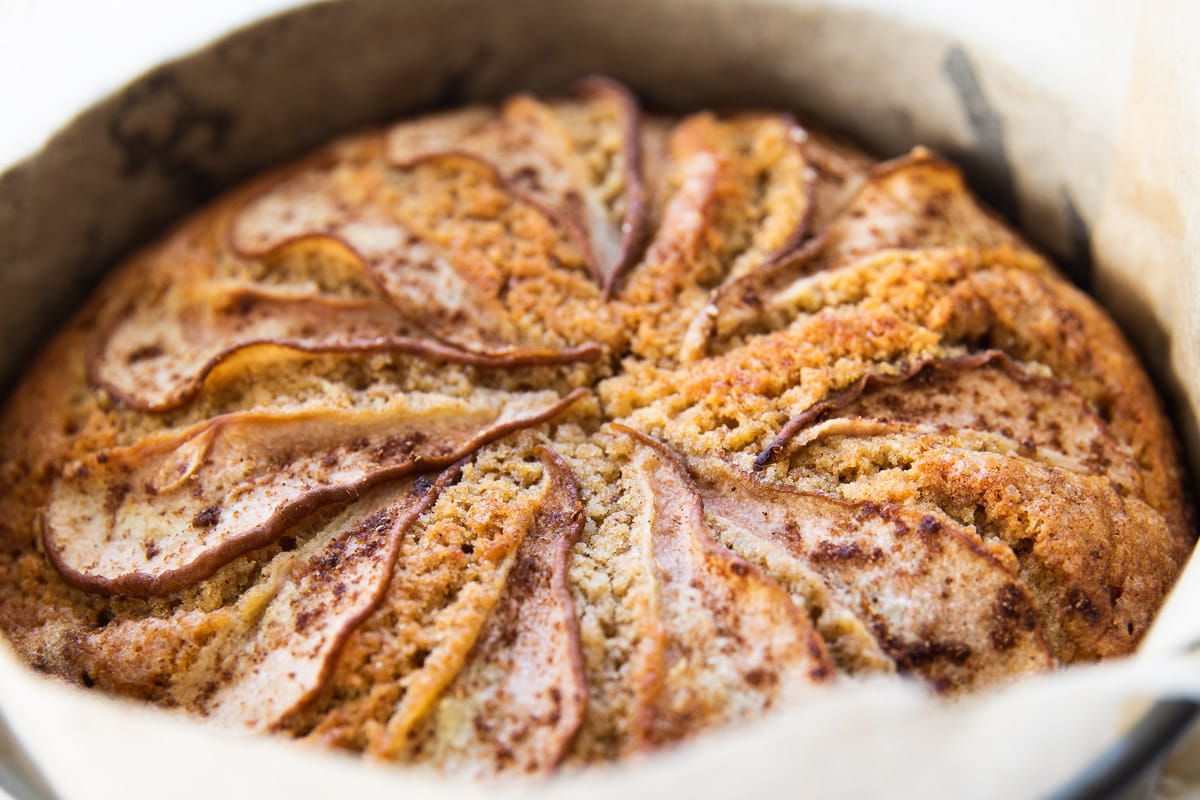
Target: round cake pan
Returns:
[[1043, 132]]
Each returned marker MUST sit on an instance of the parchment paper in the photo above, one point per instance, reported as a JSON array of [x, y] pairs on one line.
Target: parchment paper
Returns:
[[1081, 121]]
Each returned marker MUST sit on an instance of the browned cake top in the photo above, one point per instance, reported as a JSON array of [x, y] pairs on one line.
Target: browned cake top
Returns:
[[546, 432]]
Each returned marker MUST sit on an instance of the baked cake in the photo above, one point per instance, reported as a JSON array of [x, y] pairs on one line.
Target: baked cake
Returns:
[[511, 437]]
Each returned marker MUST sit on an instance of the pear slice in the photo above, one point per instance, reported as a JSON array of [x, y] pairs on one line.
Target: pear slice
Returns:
[[154, 353], [939, 604], [742, 195], [434, 289], [319, 597], [156, 362], [916, 201], [720, 641], [148, 519], [548, 154], [521, 696], [607, 99], [986, 391]]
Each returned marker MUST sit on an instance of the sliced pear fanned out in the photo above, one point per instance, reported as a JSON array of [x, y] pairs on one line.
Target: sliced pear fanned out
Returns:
[[723, 642], [156, 353], [582, 161], [148, 519], [521, 697], [310, 207], [742, 194], [937, 602], [157, 361], [450, 573], [433, 292], [488, 269], [773, 160], [1076, 537], [320, 596], [985, 391], [686, 214], [543, 155], [610, 101], [917, 201]]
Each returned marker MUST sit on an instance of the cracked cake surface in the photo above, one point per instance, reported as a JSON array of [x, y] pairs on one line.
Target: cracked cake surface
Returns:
[[511, 437]]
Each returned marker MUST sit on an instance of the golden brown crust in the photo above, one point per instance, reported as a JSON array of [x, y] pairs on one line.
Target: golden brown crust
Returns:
[[856, 426]]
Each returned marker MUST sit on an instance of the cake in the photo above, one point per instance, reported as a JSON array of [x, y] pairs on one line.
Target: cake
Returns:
[[512, 437]]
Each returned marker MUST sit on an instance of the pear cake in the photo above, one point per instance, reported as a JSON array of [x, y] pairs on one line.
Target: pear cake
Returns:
[[515, 437]]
